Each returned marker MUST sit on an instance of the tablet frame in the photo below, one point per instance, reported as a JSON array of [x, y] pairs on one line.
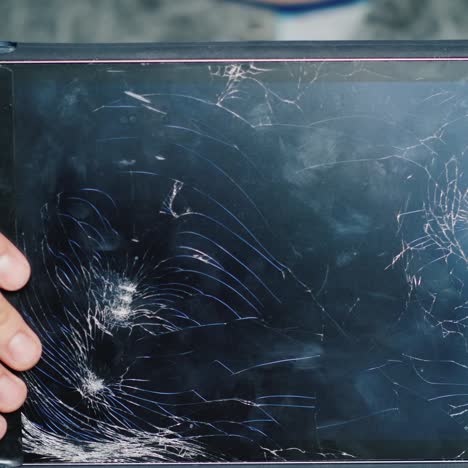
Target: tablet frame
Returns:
[[12, 53]]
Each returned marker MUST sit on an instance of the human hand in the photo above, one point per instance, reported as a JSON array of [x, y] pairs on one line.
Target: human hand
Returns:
[[20, 348]]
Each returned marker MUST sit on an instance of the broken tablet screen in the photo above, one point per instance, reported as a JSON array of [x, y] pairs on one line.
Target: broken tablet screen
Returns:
[[252, 262]]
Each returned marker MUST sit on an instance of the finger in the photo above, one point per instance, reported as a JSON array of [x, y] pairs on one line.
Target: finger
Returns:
[[3, 427], [14, 268], [13, 391], [20, 347]]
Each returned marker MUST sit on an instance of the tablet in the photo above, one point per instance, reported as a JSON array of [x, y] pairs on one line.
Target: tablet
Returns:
[[241, 253]]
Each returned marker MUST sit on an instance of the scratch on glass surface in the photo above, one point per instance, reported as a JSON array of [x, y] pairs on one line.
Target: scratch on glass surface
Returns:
[[232, 288], [97, 411]]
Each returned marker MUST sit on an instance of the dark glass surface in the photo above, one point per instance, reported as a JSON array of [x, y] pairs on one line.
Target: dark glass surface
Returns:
[[253, 262]]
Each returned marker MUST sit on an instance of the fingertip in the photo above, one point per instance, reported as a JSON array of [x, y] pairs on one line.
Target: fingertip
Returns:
[[14, 267], [24, 351], [15, 270], [3, 427], [24, 275], [13, 392]]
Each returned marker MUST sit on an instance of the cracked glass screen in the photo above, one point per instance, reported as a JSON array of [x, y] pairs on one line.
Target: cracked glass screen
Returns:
[[245, 262]]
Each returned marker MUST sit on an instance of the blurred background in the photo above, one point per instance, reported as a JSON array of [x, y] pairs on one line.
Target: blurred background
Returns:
[[230, 20]]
